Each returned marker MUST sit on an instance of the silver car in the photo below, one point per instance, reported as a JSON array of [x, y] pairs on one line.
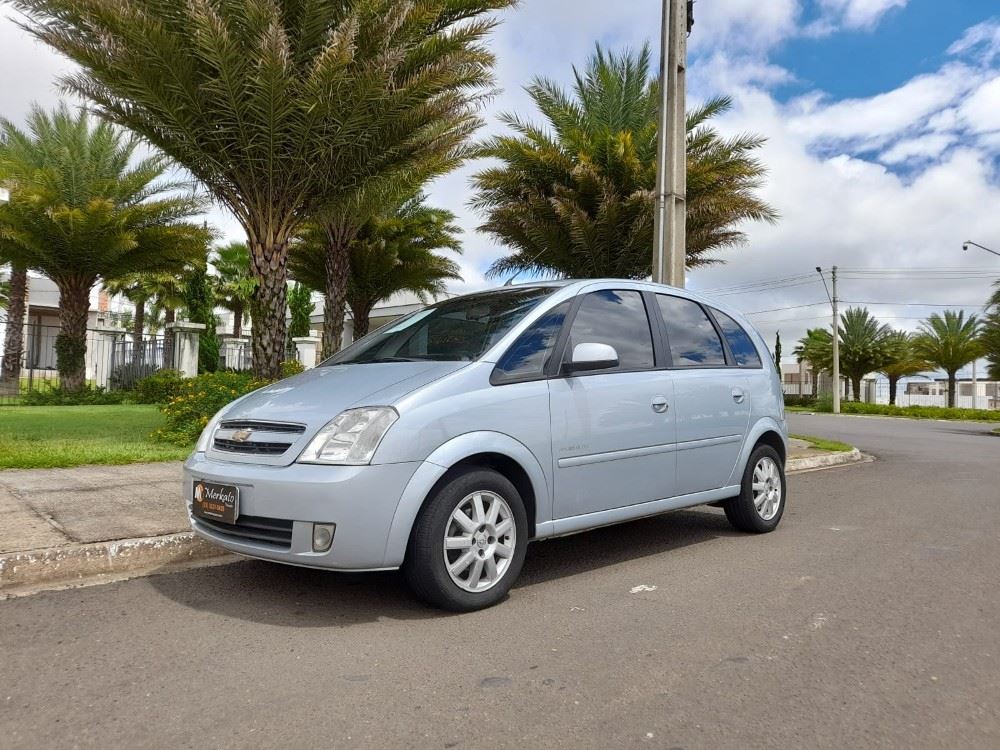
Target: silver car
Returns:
[[444, 442]]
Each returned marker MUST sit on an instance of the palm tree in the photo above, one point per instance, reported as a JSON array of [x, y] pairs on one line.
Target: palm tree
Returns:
[[816, 348], [132, 286], [280, 108], [576, 196], [949, 342], [990, 338], [167, 292], [901, 361], [863, 346], [13, 299], [234, 284], [392, 253], [84, 207]]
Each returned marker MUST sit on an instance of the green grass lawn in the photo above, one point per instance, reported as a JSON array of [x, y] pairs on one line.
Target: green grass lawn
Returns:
[[37, 437], [824, 444]]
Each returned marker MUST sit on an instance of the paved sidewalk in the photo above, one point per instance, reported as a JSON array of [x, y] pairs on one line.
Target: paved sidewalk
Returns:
[[44, 508], [92, 523], [89, 524]]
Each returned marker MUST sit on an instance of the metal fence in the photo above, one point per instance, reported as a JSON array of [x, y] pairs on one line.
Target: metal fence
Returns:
[[237, 355], [130, 362], [111, 362]]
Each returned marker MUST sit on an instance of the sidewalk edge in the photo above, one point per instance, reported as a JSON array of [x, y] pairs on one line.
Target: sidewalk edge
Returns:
[[826, 461], [81, 564]]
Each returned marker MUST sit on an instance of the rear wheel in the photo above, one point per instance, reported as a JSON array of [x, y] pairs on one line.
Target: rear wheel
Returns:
[[468, 543], [761, 502]]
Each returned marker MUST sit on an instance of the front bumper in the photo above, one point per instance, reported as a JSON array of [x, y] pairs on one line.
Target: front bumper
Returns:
[[360, 500]]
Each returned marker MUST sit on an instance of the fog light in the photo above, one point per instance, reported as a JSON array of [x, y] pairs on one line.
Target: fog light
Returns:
[[323, 536]]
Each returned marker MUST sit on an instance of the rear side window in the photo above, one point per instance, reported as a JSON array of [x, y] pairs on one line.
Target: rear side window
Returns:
[[694, 341], [740, 342], [618, 319], [527, 357]]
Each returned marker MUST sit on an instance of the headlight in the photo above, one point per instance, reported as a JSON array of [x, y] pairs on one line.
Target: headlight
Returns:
[[205, 439], [351, 438]]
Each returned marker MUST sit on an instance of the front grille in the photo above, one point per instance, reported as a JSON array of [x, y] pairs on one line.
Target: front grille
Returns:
[[274, 531], [251, 437], [251, 448], [251, 424]]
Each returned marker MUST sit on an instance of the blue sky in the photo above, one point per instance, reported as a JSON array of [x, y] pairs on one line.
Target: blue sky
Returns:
[[907, 41], [883, 127]]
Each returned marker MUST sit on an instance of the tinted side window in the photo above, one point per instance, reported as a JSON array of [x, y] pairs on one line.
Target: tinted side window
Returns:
[[526, 358], [616, 318], [693, 339], [740, 343]]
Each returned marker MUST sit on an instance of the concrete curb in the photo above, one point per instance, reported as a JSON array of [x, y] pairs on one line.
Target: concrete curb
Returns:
[[102, 562], [825, 461]]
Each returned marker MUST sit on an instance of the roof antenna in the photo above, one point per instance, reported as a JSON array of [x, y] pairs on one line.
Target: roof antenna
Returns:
[[530, 263]]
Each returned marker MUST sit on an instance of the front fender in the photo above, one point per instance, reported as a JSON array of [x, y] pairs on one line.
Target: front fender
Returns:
[[764, 424], [437, 464]]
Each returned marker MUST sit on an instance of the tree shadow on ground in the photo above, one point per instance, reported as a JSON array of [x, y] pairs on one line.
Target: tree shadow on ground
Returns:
[[287, 596]]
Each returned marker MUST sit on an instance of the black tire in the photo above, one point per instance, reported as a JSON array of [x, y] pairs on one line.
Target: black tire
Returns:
[[741, 510], [425, 567]]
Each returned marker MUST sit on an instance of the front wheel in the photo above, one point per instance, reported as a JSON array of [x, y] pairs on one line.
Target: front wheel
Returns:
[[761, 502], [468, 544]]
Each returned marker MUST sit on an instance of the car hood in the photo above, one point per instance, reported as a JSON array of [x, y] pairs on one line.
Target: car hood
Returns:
[[317, 396], [312, 399]]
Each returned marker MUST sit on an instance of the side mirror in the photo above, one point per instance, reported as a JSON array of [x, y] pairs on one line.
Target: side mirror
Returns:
[[591, 357]]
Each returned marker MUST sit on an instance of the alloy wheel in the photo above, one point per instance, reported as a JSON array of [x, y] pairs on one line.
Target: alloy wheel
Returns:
[[479, 541], [767, 488]]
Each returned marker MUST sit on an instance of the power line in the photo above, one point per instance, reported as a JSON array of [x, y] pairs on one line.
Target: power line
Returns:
[[916, 304]]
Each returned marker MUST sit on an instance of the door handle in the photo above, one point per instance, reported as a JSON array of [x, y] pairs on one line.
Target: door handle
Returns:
[[739, 395], [659, 404]]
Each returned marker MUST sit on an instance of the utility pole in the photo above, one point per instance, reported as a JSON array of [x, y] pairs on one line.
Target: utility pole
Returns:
[[836, 348], [670, 220], [836, 337]]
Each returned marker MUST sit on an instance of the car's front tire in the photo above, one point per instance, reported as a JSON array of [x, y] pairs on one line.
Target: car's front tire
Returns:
[[761, 502], [468, 543]]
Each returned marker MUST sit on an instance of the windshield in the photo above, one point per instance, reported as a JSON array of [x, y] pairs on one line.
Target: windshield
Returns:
[[458, 330]]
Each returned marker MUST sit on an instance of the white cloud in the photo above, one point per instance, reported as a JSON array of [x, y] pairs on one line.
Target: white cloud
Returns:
[[858, 14], [983, 38], [873, 119], [981, 111], [930, 146], [743, 24]]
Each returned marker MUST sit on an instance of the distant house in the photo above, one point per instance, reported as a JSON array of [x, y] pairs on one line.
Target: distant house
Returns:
[[41, 327]]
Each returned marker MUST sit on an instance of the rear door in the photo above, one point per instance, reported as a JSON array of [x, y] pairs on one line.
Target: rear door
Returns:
[[612, 430], [711, 394]]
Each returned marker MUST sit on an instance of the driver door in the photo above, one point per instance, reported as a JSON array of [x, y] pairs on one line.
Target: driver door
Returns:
[[613, 430]]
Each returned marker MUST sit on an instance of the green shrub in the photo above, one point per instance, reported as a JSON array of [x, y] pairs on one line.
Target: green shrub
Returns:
[[913, 412], [88, 396], [791, 400], [920, 412], [159, 387], [198, 399], [291, 367]]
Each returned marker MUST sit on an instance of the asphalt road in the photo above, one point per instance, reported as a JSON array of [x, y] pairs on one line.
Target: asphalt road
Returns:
[[871, 618]]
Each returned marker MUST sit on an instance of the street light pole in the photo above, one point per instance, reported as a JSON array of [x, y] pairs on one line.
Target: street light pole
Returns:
[[834, 302], [965, 247], [670, 219]]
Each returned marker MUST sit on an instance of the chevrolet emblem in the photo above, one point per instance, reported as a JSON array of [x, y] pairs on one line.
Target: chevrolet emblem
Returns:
[[241, 436]]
